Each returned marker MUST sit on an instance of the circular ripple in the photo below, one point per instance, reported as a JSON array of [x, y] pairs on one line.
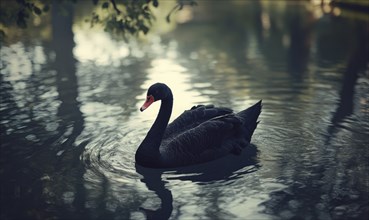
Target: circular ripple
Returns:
[[112, 155]]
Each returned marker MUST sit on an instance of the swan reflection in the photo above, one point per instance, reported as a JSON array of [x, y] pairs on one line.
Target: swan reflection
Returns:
[[224, 170]]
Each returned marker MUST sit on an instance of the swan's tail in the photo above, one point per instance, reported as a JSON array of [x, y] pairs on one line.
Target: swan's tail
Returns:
[[249, 119]]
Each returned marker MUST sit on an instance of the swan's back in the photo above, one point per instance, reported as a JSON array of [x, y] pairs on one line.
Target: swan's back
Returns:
[[192, 118], [206, 133]]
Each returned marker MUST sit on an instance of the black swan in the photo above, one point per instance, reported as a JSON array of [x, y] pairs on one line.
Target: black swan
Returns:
[[198, 135]]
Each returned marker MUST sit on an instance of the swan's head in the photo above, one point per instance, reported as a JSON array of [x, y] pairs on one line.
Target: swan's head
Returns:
[[158, 91]]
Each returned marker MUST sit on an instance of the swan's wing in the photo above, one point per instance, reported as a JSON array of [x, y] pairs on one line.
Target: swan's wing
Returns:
[[209, 140], [193, 117]]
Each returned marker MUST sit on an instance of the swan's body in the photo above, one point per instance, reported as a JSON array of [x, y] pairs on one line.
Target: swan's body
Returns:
[[198, 135]]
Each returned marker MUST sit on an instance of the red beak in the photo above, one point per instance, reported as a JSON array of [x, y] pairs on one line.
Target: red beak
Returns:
[[149, 100]]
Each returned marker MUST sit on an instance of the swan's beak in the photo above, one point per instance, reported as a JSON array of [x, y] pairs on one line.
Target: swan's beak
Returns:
[[149, 100]]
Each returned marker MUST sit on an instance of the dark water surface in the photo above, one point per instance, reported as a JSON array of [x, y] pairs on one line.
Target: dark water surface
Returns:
[[70, 123]]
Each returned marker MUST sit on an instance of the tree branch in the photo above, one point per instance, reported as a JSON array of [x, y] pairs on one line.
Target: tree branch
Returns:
[[115, 6]]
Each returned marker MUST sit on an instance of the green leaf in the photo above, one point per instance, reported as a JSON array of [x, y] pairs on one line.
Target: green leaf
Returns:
[[105, 5]]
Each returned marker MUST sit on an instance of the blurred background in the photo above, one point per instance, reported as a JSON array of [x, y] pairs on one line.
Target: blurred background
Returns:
[[73, 75]]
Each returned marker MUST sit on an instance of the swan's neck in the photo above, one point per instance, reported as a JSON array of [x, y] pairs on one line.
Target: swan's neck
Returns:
[[157, 130], [148, 151]]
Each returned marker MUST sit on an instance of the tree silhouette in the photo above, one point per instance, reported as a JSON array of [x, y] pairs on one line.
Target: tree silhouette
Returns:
[[125, 17]]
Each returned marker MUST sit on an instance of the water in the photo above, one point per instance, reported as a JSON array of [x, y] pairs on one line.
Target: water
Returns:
[[70, 126]]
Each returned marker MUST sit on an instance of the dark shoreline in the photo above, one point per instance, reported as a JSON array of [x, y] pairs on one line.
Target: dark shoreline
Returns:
[[351, 6]]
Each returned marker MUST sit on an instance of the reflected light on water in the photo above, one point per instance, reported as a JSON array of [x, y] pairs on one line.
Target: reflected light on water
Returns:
[[17, 63], [167, 71], [336, 11], [265, 20], [99, 48]]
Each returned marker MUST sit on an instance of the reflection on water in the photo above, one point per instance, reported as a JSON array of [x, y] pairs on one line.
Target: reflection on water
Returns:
[[70, 123]]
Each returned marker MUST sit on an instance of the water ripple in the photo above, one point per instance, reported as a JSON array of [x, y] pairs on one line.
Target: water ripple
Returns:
[[112, 154]]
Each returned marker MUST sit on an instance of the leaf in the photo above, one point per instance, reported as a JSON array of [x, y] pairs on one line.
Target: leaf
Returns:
[[155, 3], [147, 15], [144, 29], [105, 5], [37, 10]]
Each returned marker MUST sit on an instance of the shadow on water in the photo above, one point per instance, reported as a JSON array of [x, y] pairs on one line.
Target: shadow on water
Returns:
[[222, 170], [69, 110], [300, 39], [35, 171], [357, 63], [333, 190]]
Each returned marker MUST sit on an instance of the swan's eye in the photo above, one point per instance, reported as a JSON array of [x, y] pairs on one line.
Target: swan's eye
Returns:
[[149, 98]]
